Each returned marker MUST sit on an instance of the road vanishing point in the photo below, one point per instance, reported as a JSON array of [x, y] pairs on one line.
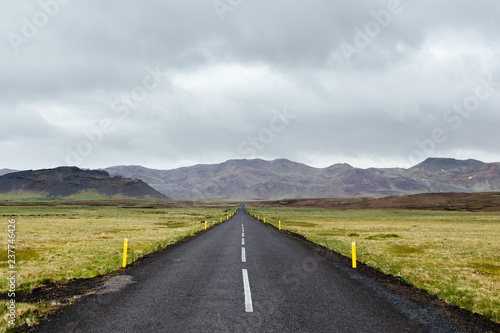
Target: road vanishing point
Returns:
[[243, 276]]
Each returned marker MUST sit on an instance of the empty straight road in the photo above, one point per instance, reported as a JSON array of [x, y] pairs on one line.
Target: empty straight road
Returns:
[[243, 276]]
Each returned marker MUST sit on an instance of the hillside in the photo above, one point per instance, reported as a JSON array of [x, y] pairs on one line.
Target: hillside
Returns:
[[472, 202], [66, 181], [273, 180]]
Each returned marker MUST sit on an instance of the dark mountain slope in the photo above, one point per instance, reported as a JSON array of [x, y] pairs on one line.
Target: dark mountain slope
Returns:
[[65, 181]]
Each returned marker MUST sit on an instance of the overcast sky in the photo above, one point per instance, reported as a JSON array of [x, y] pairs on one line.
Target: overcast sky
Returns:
[[166, 84]]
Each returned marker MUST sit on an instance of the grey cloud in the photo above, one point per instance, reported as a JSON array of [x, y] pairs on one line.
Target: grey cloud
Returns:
[[387, 96]]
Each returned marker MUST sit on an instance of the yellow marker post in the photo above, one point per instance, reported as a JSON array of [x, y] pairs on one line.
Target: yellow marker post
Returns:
[[353, 254], [221, 220], [264, 220], [125, 246], [280, 225], [205, 225]]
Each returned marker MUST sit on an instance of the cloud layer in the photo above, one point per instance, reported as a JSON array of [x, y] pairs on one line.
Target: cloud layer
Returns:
[[168, 83]]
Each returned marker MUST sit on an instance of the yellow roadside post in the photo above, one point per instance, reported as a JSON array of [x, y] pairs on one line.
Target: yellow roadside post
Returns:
[[125, 246], [205, 225], [221, 220], [280, 225], [353, 254], [264, 220]]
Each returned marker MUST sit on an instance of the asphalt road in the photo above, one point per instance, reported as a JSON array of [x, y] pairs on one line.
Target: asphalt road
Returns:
[[243, 276]]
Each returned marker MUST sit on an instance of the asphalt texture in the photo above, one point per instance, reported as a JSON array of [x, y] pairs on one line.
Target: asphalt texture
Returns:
[[210, 284]]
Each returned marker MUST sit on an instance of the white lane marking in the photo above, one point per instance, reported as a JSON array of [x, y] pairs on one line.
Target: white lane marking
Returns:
[[243, 241], [243, 255], [248, 294], [243, 235]]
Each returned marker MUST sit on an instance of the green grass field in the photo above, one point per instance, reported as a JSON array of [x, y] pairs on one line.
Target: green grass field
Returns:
[[38, 197], [60, 242], [454, 255]]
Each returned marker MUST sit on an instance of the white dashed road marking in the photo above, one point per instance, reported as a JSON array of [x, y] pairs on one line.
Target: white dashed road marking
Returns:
[[248, 294]]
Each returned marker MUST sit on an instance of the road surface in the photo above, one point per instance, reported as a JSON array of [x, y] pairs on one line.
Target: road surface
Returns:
[[243, 276]]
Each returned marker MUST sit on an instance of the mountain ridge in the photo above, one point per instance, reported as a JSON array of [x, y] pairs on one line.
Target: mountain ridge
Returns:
[[257, 179], [279, 179], [65, 181], [6, 171]]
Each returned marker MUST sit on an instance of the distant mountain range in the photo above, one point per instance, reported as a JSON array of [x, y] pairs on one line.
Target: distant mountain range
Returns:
[[6, 171], [261, 180], [272, 180], [65, 181]]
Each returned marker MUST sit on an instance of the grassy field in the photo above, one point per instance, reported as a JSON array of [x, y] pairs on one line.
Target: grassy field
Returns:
[[58, 242], [454, 255], [37, 197]]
